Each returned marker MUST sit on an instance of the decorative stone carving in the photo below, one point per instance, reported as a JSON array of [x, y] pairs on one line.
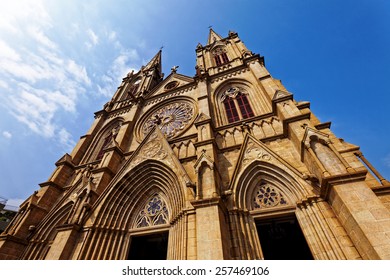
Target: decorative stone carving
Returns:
[[266, 196], [231, 92], [153, 149], [254, 152], [172, 119]]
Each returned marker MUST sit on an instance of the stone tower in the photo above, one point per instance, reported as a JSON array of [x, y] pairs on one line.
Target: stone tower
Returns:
[[222, 165]]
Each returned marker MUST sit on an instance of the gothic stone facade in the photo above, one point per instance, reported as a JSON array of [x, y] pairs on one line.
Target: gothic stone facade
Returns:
[[222, 165]]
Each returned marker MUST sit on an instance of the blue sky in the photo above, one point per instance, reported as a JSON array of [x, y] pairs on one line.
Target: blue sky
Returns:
[[60, 61]]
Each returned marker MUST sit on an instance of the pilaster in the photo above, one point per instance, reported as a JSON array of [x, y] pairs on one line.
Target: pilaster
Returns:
[[63, 244], [211, 230], [364, 217]]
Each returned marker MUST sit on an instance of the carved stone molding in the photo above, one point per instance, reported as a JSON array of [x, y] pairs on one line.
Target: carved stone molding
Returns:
[[254, 152], [171, 118]]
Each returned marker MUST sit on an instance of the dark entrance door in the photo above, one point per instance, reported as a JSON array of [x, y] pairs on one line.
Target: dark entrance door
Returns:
[[282, 239], [149, 247]]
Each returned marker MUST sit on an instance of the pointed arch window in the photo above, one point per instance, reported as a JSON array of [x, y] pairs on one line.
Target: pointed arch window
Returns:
[[245, 108], [220, 56], [231, 110], [154, 213], [107, 140], [233, 98], [133, 88]]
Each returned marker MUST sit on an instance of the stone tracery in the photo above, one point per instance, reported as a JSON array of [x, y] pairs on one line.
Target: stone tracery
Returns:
[[154, 213], [171, 119], [267, 196]]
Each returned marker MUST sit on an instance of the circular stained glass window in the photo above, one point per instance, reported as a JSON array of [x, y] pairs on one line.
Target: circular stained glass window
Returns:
[[172, 119], [267, 196], [171, 85]]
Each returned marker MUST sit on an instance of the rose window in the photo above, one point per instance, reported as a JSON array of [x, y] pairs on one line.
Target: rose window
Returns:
[[172, 119], [267, 196]]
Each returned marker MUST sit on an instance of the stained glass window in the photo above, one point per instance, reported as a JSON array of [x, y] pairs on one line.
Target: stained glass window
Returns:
[[245, 108], [231, 110], [154, 213], [267, 196], [220, 56], [232, 98], [107, 140]]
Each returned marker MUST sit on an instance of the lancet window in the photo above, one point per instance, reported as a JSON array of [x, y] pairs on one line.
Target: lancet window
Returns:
[[107, 139], [235, 97], [220, 56]]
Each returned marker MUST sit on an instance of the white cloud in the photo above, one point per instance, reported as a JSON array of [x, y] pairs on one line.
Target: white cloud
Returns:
[[78, 72], [7, 134], [6, 52], [387, 160], [38, 34], [45, 80], [112, 36], [119, 68], [4, 84], [13, 14], [65, 139], [93, 37]]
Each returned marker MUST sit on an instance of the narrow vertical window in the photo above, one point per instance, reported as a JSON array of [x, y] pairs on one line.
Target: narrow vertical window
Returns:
[[231, 110], [233, 98], [106, 141], [245, 107], [220, 56], [225, 58], [217, 60], [133, 89]]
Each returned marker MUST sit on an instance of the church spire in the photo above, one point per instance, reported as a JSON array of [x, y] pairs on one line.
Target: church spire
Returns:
[[140, 83], [213, 36], [155, 62]]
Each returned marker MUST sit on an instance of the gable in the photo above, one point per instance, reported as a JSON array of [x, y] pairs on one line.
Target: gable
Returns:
[[253, 150], [172, 83]]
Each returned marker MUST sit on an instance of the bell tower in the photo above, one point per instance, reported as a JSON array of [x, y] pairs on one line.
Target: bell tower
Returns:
[[220, 53]]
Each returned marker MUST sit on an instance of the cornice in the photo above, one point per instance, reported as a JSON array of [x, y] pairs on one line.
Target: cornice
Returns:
[[228, 73]]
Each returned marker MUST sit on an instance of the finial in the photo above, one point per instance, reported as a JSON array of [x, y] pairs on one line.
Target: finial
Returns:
[[174, 69]]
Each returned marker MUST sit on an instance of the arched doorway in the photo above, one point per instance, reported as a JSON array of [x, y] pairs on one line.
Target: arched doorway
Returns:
[[265, 198]]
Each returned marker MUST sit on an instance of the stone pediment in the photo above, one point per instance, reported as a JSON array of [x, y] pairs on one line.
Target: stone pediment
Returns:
[[310, 132], [155, 147], [253, 150], [170, 84], [281, 95]]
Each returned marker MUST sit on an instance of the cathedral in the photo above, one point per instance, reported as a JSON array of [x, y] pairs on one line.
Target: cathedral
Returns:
[[223, 165]]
